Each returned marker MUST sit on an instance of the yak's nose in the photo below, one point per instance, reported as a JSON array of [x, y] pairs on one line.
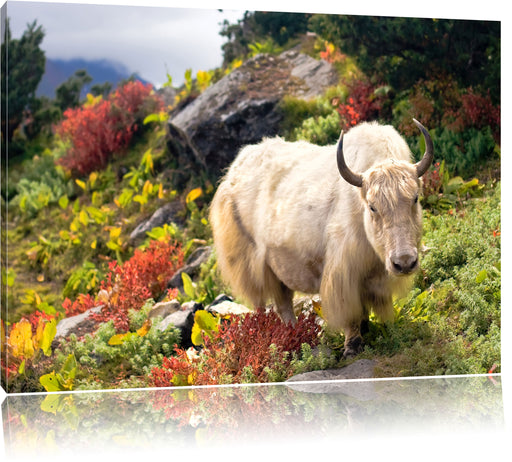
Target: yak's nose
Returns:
[[405, 262]]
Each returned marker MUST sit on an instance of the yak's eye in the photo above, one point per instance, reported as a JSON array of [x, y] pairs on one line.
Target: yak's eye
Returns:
[[372, 208], [416, 199]]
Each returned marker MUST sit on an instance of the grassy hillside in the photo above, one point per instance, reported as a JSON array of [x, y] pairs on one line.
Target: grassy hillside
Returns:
[[73, 206]]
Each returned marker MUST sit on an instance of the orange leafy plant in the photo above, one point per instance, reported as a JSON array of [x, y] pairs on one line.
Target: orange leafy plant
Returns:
[[27, 339]]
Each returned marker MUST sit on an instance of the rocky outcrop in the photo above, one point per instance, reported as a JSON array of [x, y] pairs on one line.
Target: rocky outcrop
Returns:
[[243, 107], [79, 324]]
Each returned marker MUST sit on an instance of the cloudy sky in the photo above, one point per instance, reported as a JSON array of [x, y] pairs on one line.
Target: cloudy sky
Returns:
[[153, 40], [148, 40]]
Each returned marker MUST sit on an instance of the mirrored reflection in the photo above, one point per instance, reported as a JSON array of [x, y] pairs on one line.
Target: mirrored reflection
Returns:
[[171, 420]]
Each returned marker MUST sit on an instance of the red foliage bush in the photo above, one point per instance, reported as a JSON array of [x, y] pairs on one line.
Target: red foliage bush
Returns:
[[143, 276], [242, 342], [34, 318], [172, 368], [95, 132], [477, 111], [80, 305], [363, 104], [442, 103]]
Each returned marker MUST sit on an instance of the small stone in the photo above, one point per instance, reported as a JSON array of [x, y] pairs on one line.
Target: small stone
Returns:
[[219, 299], [226, 308], [164, 309], [182, 320]]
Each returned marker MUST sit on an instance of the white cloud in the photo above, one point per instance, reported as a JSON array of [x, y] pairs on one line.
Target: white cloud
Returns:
[[147, 40]]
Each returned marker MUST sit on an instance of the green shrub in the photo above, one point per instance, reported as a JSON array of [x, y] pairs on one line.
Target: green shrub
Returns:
[[464, 153], [42, 184], [316, 120], [110, 358], [321, 130]]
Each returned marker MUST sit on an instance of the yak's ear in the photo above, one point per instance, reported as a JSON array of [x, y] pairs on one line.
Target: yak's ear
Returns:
[[348, 175], [423, 165]]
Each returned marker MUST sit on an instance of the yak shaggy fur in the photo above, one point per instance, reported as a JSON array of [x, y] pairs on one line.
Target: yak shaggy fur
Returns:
[[285, 220]]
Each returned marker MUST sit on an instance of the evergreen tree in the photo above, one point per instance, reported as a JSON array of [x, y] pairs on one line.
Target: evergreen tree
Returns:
[[259, 26], [25, 63], [68, 93]]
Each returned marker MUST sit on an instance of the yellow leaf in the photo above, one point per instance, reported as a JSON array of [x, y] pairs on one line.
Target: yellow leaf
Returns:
[[36, 340], [145, 328], [96, 199], [21, 369], [193, 195], [83, 217], [191, 378], [204, 322], [20, 340], [317, 307], [63, 202], [94, 243], [75, 225], [81, 184], [118, 339], [160, 191], [49, 332], [92, 178], [115, 232]]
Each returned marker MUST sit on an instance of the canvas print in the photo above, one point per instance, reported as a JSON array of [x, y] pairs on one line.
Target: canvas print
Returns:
[[322, 201]]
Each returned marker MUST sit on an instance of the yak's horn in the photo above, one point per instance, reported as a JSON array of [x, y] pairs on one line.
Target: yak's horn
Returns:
[[423, 165], [347, 174]]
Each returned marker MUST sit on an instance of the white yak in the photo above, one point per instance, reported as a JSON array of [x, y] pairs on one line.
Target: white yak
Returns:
[[343, 221]]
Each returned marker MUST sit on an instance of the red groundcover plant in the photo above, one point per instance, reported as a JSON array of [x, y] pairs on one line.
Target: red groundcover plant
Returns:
[[96, 131], [143, 276], [129, 285], [243, 343]]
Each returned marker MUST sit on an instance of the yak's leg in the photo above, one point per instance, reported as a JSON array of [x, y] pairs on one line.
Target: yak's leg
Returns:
[[365, 322], [353, 339], [281, 294], [284, 304]]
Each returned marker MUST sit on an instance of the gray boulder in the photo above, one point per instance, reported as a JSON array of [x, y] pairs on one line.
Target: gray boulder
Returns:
[[165, 214], [164, 309], [183, 319], [79, 324], [192, 266], [243, 107]]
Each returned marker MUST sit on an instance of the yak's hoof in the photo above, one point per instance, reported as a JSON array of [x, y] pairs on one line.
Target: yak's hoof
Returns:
[[353, 347]]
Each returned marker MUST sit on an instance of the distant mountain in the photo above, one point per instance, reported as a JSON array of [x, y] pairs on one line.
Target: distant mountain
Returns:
[[58, 71]]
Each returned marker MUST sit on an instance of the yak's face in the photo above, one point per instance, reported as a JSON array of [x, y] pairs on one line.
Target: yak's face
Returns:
[[392, 215]]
